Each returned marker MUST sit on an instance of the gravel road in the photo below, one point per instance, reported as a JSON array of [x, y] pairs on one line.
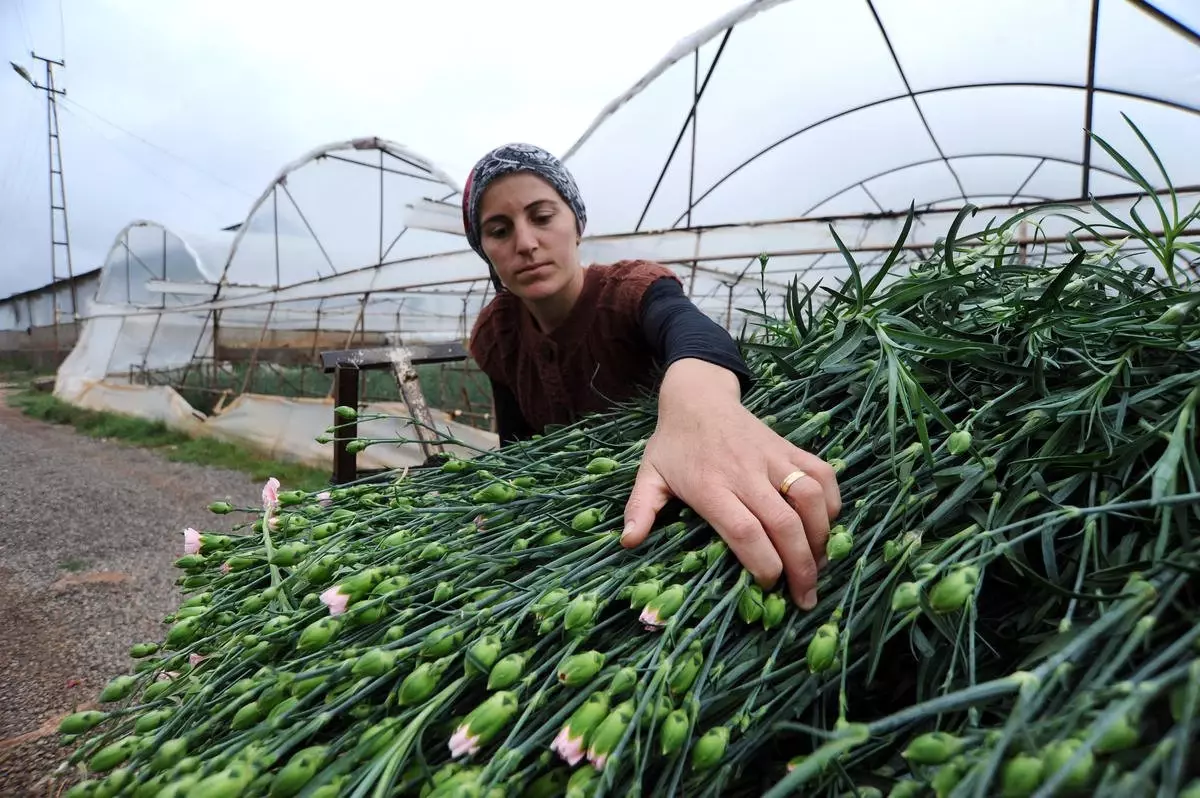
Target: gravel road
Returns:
[[88, 532]]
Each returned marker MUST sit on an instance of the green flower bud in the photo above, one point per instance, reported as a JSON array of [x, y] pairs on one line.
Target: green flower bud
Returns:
[[643, 593], [140, 650], [579, 669], [1120, 735], [420, 684], [550, 784], [484, 722], [495, 493], [289, 554], [623, 681], [1191, 790], [151, 720], [586, 519], [954, 589], [601, 465], [932, 748], [958, 442], [774, 610], [691, 563], [947, 778], [714, 551], [375, 662], [587, 717], [441, 642], [318, 634], [118, 688], [506, 672], [660, 609], [750, 603], [608, 733], [1021, 776], [839, 546], [80, 722], [345, 412], [1058, 754], [113, 754], [550, 601], [710, 748], [169, 754], [443, 592], [220, 508], [393, 584], [906, 788], [298, 772], [685, 671], [907, 596], [482, 655], [673, 732], [579, 614], [822, 649]]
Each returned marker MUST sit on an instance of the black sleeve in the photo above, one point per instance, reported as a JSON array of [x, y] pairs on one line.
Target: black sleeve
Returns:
[[510, 423], [675, 328]]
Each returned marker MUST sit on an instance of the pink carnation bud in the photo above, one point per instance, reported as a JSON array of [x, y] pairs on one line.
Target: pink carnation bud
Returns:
[[335, 600], [650, 620], [462, 742], [325, 498], [194, 659], [225, 568], [191, 541], [568, 747], [270, 493]]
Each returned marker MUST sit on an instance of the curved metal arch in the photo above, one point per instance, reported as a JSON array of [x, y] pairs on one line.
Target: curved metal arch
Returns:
[[1133, 95], [405, 154], [121, 240], [955, 197], [928, 161]]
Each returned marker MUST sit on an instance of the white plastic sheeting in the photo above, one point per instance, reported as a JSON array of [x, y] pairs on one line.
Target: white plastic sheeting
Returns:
[[808, 108]]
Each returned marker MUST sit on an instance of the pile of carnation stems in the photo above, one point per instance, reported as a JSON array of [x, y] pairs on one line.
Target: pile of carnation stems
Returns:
[[1010, 606]]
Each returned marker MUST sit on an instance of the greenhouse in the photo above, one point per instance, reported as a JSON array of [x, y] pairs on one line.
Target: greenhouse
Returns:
[[942, 544]]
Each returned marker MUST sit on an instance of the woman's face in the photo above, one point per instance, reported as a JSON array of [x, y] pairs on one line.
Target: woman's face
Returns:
[[529, 235]]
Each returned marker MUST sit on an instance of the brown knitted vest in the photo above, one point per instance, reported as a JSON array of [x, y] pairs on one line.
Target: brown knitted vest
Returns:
[[596, 358]]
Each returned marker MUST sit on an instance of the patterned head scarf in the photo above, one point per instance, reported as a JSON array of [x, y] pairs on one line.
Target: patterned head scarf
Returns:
[[516, 158]]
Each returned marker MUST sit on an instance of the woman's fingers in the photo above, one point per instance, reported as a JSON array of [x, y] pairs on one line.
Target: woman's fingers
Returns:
[[809, 499], [743, 533], [789, 536]]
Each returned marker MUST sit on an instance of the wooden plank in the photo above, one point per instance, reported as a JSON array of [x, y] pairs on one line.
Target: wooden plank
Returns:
[[345, 392], [381, 357]]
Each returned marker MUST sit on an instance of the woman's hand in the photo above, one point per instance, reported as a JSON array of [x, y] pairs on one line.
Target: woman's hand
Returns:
[[716, 457]]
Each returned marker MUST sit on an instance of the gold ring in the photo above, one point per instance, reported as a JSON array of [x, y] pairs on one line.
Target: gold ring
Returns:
[[790, 480]]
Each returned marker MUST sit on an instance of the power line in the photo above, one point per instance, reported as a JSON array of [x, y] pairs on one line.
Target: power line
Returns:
[[163, 150]]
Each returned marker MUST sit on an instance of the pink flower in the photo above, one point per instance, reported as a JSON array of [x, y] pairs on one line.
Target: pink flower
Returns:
[[335, 600], [325, 498], [650, 620], [274, 522], [462, 742], [194, 659], [225, 568], [191, 541], [597, 760], [270, 493], [568, 747]]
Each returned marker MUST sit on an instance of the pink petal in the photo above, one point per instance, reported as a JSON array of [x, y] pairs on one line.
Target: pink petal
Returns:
[[194, 659], [650, 620], [191, 541], [325, 498], [225, 568], [598, 760], [567, 747], [270, 493], [462, 742], [335, 600]]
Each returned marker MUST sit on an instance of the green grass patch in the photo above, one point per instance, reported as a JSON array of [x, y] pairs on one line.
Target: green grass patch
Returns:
[[170, 443]]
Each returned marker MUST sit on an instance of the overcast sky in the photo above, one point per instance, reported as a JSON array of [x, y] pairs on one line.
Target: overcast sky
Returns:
[[233, 90], [182, 111]]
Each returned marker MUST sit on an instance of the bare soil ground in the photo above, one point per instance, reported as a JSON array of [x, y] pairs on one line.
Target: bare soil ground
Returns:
[[88, 533]]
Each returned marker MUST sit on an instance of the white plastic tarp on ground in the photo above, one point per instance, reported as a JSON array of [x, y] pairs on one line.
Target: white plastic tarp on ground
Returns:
[[279, 427]]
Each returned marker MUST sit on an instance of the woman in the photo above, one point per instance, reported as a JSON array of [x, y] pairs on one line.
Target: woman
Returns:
[[559, 340]]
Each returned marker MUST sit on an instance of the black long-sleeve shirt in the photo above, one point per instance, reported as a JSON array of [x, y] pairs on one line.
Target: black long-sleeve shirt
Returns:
[[674, 329]]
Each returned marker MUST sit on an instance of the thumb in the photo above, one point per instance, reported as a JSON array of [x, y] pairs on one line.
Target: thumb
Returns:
[[649, 495]]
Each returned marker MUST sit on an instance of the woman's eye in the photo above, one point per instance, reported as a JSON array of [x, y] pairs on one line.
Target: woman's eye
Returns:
[[543, 218], [496, 232]]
